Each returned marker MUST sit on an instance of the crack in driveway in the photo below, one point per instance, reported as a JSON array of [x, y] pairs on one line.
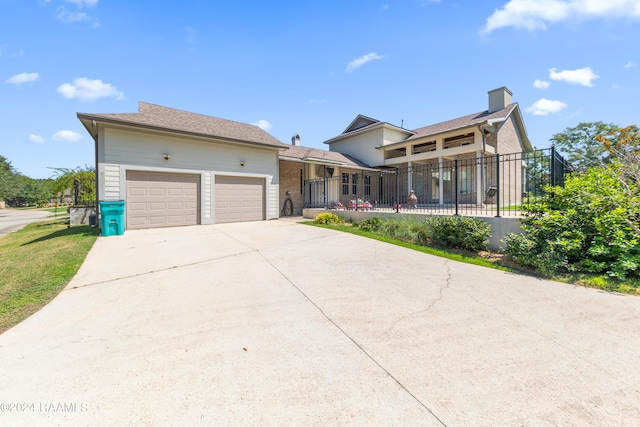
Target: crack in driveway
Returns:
[[447, 284]]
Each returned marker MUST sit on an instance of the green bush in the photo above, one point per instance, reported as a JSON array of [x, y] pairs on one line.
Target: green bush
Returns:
[[396, 230], [458, 232], [585, 227], [371, 224], [328, 218]]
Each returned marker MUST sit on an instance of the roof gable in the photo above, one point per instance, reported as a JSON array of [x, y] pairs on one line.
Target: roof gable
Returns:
[[360, 122], [169, 119], [463, 122]]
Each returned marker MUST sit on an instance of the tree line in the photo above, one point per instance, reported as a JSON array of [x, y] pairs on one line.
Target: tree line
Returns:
[[67, 185]]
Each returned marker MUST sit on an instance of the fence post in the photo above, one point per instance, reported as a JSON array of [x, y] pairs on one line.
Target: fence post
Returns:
[[553, 165], [326, 202], [397, 195], [456, 185], [355, 180], [498, 189]]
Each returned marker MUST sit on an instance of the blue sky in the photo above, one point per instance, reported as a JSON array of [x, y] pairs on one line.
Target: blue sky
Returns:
[[308, 67]]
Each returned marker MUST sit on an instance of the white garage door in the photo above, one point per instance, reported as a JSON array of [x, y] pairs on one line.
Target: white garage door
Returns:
[[239, 199], [157, 199]]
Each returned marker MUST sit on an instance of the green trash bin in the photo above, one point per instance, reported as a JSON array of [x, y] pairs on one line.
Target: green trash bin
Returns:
[[112, 218]]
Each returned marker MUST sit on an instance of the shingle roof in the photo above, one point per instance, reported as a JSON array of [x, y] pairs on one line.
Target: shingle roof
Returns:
[[461, 122], [314, 154], [158, 117]]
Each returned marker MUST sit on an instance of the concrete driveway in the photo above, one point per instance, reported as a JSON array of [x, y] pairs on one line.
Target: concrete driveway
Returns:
[[278, 323], [15, 219]]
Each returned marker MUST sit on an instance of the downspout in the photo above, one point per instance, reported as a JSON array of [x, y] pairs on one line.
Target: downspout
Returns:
[[95, 129]]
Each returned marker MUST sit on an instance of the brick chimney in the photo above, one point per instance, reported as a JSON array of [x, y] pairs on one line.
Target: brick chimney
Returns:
[[499, 98], [295, 140]]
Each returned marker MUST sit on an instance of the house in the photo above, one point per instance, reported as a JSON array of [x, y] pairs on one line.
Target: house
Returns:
[[430, 155], [300, 165], [173, 167]]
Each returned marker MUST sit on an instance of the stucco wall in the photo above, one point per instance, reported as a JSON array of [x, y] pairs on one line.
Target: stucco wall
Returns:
[[121, 149]]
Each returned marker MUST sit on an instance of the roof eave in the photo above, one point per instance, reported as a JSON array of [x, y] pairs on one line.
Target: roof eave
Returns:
[[99, 119]]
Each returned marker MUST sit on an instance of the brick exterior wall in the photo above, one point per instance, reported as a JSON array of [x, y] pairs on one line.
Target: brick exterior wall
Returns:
[[290, 181]]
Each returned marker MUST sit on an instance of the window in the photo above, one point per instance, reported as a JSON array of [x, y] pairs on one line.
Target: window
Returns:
[[354, 183], [345, 183], [367, 185], [301, 181], [465, 184]]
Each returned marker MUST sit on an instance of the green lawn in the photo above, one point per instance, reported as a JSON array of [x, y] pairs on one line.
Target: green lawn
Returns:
[[36, 264], [456, 255]]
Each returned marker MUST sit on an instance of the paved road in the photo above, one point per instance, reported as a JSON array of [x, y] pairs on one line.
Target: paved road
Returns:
[[12, 219], [278, 323]]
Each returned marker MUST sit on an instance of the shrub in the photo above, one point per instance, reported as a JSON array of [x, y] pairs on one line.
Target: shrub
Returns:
[[585, 227], [371, 224], [328, 218], [396, 230], [458, 232]]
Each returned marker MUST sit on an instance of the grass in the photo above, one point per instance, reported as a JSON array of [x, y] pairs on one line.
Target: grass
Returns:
[[456, 255], [37, 263]]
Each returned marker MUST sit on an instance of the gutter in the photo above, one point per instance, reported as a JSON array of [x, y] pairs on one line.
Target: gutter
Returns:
[[181, 132]]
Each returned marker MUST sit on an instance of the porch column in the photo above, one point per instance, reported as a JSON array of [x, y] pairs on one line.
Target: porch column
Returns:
[[410, 178], [440, 182], [479, 179]]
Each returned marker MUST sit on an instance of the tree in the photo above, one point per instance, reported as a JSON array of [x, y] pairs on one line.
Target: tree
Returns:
[[7, 174], [624, 145], [79, 182], [581, 146]]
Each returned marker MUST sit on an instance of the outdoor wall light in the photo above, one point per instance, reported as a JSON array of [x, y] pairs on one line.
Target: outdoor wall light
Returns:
[[242, 163], [166, 156]]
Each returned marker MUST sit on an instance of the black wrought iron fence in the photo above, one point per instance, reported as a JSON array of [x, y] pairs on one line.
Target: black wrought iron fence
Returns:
[[495, 185]]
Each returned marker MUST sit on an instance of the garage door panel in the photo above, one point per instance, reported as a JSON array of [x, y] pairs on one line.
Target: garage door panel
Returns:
[[157, 199], [239, 199], [137, 191]]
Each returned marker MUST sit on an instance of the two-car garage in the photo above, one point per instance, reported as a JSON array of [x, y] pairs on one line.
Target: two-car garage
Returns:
[[177, 168], [158, 199]]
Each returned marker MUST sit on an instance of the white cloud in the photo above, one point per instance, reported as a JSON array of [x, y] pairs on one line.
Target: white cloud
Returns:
[[630, 64], [541, 84], [17, 79], [262, 124], [536, 14], [83, 3], [359, 62], [66, 135], [36, 139], [86, 89], [543, 107], [581, 76], [70, 17]]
